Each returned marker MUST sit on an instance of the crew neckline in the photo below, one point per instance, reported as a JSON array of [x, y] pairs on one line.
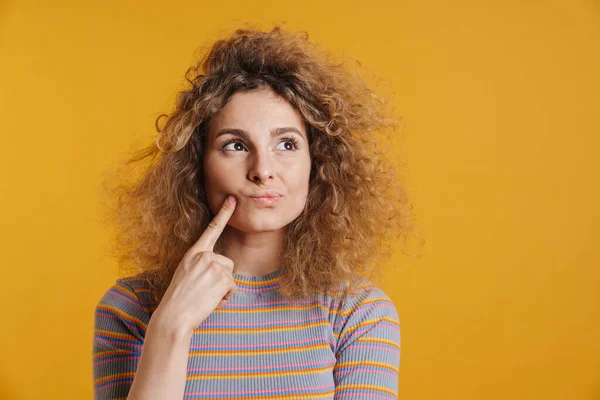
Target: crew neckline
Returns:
[[256, 284]]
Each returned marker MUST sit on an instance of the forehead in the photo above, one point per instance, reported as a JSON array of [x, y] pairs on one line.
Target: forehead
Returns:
[[256, 111]]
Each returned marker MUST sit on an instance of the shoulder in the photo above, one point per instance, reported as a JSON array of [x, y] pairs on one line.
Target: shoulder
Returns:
[[364, 296], [365, 310], [131, 289], [127, 300], [367, 301]]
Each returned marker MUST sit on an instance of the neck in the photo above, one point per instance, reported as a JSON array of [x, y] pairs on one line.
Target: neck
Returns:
[[253, 254]]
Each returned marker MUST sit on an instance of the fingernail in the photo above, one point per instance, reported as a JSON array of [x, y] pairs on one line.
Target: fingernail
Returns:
[[230, 200]]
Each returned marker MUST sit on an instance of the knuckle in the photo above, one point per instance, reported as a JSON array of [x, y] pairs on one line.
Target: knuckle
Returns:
[[224, 275], [213, 225], [206, 256]]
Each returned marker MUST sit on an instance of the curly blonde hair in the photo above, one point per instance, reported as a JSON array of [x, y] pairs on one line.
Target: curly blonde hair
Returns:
[[355, 206]]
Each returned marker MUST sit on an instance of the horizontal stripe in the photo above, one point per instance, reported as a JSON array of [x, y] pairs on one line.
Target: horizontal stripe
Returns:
[[260, 345], [385, 342], [201, 330], [385, 322], [371, 365], [367, 305], [254, 368], [299, 393], [365, 389], [114, 378], [130, 297], [260, 374], [232, 308], [251, 353], [117, 339], [264, 324], [257, 350], [113, 355], [106, 310]]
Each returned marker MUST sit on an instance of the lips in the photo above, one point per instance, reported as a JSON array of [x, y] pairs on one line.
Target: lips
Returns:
[[266, 200], [266, 193]]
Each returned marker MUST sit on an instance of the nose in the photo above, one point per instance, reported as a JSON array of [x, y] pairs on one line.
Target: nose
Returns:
[[261, 167]]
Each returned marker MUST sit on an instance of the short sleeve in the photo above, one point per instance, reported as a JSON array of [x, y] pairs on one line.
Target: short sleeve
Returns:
[[368, 349], [120, 323]]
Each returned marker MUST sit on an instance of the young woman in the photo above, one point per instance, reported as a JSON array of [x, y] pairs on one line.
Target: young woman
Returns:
[[255, 225]]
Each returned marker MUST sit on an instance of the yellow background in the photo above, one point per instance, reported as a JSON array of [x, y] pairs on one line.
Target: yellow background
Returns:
[[500, 101]]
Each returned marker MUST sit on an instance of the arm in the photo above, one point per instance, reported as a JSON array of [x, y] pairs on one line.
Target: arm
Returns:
[[135, 357], [161, 373], [368, 350]]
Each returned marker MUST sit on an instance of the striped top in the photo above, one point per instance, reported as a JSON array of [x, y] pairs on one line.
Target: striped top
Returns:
[[260, 345]]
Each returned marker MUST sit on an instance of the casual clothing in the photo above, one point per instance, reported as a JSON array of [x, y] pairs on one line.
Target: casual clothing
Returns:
[[260, 345]]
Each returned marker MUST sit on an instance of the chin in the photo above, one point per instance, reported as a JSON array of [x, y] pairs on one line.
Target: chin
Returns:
[[257, 225]]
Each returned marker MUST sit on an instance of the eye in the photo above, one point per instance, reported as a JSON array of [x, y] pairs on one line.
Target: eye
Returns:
[[293, 143], [237, 145]]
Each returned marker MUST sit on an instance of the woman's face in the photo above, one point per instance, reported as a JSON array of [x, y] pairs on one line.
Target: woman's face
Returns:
[[257, 145]]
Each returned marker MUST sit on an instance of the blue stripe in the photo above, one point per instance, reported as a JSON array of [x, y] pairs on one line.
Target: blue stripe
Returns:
[[363, 367], [265, 369], [367, 391], [262, 393], [111, 339], [117, 356], [113, 314], [263, 324], [261, 346], [119, 380]]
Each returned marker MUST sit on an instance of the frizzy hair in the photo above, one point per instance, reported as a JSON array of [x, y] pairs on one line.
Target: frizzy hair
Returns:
[[356, 205]]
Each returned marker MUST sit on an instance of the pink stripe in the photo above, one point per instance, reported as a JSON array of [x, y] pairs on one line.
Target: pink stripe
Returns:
[[121, 295], [372, 306], [112, 341], [266, 303], [383, 324], [340, 395], [366, 346], [262, 323], [105, 385], [254, 345], [264, 391], [254, 368], [114, 358], [339, 373]]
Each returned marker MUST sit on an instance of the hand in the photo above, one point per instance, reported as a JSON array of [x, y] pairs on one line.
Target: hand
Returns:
[[203, 280]]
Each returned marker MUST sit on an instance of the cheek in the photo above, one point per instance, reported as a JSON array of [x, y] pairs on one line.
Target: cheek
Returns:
[[216, 186], [299, 184]]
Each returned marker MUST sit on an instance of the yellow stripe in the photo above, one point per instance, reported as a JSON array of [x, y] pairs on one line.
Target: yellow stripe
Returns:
[[250, 352], [369, 322], [115, 335], [367, 339], [258, 284], [260, 330], [365, 303], [101, 354], [125, 290], [343, 387], [109, 378], [351, 364], [234, 310], [249, 375], [292, 396], [123, 314]]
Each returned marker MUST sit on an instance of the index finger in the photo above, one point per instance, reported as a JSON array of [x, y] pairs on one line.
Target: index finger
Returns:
[[214, 229]]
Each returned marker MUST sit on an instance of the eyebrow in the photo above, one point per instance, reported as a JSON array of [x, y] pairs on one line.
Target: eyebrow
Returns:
[[275, 132]]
